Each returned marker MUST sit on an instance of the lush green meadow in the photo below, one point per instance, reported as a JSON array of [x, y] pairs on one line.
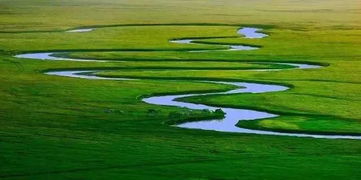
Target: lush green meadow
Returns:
[[66, 128]]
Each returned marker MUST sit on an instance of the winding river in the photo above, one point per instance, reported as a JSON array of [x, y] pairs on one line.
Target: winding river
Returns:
[[232, 115]]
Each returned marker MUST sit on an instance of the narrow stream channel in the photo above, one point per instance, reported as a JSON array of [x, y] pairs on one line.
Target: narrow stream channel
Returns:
[[232, 115]]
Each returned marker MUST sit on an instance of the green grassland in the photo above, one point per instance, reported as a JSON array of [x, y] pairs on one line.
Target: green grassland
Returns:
[[65, 128]]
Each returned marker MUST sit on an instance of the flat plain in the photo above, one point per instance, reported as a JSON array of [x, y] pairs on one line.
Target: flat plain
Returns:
[[55, 127]]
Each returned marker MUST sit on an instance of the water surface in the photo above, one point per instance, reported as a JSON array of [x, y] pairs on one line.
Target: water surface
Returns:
[[232, 115], [80, 30], [251, 33], [247, 32]]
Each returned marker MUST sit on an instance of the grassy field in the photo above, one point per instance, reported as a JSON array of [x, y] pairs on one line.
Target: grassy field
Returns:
[[65, 128]]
